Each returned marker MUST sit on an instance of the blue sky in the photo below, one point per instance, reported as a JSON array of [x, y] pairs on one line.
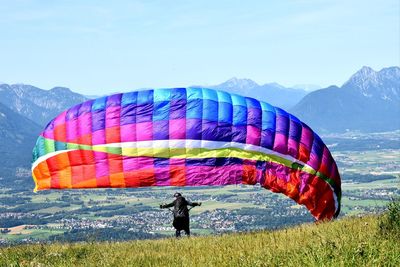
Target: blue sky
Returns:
[[95, 47]]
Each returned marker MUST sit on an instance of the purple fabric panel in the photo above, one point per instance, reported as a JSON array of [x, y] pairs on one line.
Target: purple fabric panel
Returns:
[[114, 100], [224, 132], [162, 176], [209, 130], [239, 134], [193, 129], [144, 113], [128, 114], [282, 124], [204, 175], [254, 117], [295, 131], [280, 144], [267, 139], [72, 113], [98, 119], [177, 109], [113, 116], [85, 108], [161, 130], [128, 133]]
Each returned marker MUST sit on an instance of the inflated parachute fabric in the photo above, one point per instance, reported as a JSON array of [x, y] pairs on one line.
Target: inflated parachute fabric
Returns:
[[187, 137]]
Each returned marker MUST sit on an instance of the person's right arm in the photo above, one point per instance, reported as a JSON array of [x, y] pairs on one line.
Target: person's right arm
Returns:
[[167, 205]]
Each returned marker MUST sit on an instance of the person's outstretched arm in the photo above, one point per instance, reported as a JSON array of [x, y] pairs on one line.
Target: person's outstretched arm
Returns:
[[193, 204], [167, 205]]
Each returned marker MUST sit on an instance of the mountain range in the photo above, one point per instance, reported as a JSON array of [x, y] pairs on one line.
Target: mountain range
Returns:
[[273, 93], [369, 102], [37, 104]]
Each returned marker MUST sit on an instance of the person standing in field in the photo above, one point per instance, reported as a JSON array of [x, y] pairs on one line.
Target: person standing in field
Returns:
[[181, 213]]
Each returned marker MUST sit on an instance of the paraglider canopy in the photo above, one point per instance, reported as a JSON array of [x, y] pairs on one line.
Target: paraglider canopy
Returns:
[[187, 137]]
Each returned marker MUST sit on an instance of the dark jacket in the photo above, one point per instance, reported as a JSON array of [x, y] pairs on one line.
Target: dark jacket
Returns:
[[180, 205]]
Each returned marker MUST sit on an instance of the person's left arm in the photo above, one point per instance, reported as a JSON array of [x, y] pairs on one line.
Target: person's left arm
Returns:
[[193, 204]]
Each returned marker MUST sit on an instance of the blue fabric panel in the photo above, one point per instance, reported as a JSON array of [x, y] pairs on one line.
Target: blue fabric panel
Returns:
[[178, 93], [162, 95], [267, 107], [145, 97], [224, 97], [40, 145], [194, 109], [238, 100], [210, 94], [225, 112], [210, 110], [161, 162], [129, 99], [239, 115], [99, 103], [268, 120], [194, 93], [252, 103], [161, 110]]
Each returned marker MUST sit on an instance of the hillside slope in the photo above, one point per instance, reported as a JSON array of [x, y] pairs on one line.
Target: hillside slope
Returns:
[[17, 137], [346, 242], [369, 102]]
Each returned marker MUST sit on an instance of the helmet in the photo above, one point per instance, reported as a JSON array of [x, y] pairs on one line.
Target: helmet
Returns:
[[177, 194]]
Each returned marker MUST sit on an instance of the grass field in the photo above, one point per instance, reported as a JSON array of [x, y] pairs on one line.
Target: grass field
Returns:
[[346, 242]]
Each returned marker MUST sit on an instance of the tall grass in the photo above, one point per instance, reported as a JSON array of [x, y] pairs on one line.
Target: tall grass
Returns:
[[347, 242], [389, 223]]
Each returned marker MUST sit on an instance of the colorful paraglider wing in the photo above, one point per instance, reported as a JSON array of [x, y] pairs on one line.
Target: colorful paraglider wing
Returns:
[[187, 137]]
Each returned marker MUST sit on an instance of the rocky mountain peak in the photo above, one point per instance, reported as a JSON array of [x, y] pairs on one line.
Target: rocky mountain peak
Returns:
[[240, 83], [384, 84]]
